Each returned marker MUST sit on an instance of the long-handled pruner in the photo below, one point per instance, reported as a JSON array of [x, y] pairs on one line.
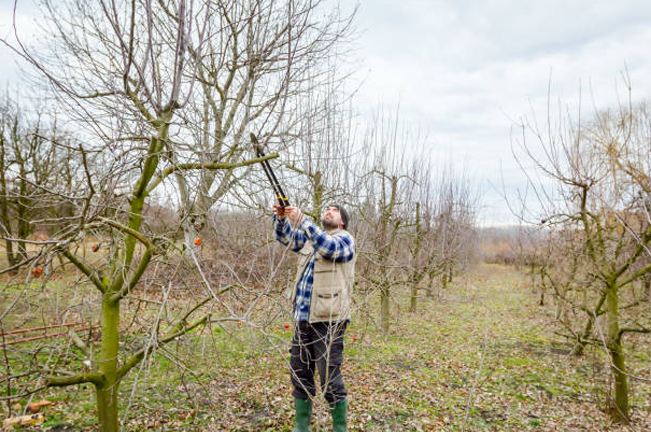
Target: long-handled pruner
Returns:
[[275, 184]]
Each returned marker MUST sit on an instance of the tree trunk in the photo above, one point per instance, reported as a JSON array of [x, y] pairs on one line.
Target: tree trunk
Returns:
[[620, 410], [384, 306], [5, 218], [413, 301], [577, 351], [107, 364], [23, 228], [23, 207], [107, 408], [559, 311], [11, 257], [430, 284], [415, 255]]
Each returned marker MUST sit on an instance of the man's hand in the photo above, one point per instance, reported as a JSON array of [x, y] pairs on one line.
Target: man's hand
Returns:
[[280, 211], [294, 214]]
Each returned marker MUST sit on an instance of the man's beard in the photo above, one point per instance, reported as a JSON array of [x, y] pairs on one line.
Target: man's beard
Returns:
[[329, 225]]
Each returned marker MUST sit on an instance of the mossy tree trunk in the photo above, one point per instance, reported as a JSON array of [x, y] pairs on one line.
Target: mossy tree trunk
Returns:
[[107, 367], [618, 364]]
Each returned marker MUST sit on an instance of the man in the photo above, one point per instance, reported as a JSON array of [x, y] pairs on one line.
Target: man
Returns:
[[321, 302]]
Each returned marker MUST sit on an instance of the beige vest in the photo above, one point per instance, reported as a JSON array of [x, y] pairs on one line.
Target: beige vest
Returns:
[[332, 289]]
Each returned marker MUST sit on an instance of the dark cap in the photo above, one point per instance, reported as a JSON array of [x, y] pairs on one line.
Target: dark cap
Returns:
[[342, 212]]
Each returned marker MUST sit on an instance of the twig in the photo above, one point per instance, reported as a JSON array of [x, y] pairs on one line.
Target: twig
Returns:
[[45, 336], [26, 330], [474, 385]]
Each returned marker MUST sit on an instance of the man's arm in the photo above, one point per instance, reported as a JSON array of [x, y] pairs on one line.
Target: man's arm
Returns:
[[288, 236], [338, 248]]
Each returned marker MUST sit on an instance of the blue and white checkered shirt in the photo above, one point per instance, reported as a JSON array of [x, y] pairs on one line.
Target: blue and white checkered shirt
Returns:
[[338, 248]]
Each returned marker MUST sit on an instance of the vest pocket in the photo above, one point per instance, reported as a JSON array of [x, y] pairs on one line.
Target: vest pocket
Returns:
[[327, 304]]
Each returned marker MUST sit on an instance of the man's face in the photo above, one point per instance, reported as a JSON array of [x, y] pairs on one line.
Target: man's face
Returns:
[[332, 218]]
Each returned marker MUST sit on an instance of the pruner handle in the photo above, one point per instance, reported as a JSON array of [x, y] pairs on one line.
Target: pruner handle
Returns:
[[283, 201]]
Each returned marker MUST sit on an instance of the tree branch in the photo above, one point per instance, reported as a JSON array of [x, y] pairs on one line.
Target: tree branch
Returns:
[[181, 328], [140, 354], [125, 229], [208, 165], [96, 379], [91, 274], [142, 266]]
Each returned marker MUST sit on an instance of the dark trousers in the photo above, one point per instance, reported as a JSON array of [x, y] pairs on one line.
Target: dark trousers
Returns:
[[320, 345]]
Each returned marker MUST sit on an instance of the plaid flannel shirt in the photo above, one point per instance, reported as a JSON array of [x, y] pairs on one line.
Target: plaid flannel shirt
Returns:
[[339, 248]]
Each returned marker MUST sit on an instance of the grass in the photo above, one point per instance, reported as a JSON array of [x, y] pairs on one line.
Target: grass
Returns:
[[482, 357]]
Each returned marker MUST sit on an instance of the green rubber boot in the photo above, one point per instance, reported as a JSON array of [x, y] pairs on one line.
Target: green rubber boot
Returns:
[[303, 415], [339, 416]]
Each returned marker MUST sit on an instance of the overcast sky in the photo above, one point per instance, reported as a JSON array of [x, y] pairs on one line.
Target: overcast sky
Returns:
[[465, 69], [462, 70]]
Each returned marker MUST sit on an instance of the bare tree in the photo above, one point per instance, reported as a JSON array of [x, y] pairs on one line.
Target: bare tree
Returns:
[[384, 189], [260, 74], [30, 166], [443, 238], [599, 229]]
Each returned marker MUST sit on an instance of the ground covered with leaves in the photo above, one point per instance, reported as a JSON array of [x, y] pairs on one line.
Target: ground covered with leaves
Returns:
[[482, 355]]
